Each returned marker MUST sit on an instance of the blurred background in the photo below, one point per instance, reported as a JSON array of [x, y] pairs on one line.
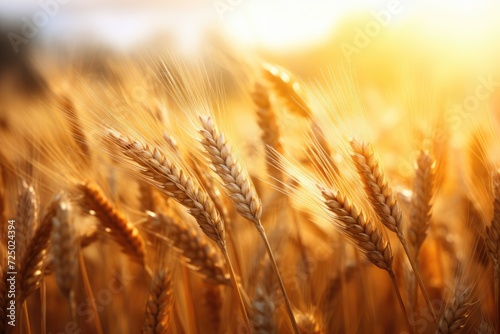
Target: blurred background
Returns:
[[454, 38]]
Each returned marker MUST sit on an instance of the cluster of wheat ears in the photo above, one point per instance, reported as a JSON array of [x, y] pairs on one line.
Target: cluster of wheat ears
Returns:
[[152, 216]]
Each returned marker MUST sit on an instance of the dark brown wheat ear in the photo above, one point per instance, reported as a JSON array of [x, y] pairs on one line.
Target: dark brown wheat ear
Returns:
[[384, 202], [240, 190]]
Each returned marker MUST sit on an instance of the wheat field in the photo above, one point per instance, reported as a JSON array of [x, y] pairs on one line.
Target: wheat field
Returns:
[[228, 195]]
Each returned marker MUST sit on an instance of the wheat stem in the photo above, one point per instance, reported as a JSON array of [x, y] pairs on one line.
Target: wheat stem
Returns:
[[289, 310], [236, 286], [400, 299]]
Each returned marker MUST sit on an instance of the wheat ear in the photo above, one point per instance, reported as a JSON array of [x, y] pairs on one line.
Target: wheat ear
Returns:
[[455, 313], [77, 130], [35, 257], [307, 323], [384, 202], [240, 189], [64, 253], [492, 239], [158, 318], [365, 235], [287, 89], [194, 248], [421, 202], [213, 302], [267, 120], [27, 217], [177, 184], [420, 211], [123, 232]]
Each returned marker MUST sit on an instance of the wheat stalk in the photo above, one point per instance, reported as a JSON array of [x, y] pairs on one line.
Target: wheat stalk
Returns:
[[177, 184], [158, 318], [421, 201], [240, 189], [123, 232], [384, 202], [365, 235]]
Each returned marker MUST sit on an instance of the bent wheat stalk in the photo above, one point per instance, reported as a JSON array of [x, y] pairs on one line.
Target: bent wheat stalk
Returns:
[[240, 189], [384, 202], [365, 235], [174, 182]]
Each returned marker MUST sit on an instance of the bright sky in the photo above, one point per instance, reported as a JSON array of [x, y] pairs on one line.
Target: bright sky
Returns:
[[272, 23]]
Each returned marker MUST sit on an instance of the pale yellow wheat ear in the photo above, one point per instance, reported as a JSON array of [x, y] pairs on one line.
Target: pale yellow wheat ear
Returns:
[[240, 188], [159, 306], [492, 239], [64, 252], [177, 184], [121, 231], [384, 202], [365, 235]]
